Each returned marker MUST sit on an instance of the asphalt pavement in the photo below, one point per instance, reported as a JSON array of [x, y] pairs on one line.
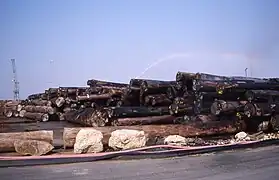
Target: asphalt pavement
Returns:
[[249, 164]]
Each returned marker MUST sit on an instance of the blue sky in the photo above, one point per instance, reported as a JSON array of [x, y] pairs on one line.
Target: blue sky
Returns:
[[65, 43]]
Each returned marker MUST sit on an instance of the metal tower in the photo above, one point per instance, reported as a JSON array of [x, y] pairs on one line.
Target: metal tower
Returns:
[[16, 83]]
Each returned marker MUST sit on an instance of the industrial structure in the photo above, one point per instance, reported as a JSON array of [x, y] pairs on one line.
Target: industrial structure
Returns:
[[15, 80]]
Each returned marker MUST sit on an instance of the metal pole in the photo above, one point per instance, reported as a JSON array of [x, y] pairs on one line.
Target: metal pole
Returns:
[[246, 72]]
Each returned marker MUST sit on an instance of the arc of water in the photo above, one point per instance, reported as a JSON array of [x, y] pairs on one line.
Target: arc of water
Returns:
[[157, 62]]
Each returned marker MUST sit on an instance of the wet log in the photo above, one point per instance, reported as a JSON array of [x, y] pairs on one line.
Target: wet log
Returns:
[[257, 109], [89, 117], [262, 96], [36, 96], [94, 97], [36, 116], [243, 87], [39, 102], [131, 96], [7, 139], [220, 107], [181, 109], [157, 100], [184, 76], [123, 112], [155, 86], [94, 82], [165, 119], [212, 96], [193, 129], [69, 91], [205, 85], [40, 109]]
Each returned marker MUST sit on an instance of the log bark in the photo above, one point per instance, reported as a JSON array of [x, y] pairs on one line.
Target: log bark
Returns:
[[131, 96], [157, 100], [243, 87], [165, 119], [181, 109], [40, 109], [193, 129], [221, 107], [7, 139], [123, 112], [262, 96], [155, 86], [94, 97], [39, 102], [90, 117], [36, 96], [36, 116], [257, 109], [94, 82]]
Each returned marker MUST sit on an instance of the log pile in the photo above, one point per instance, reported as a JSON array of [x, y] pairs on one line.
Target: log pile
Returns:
[[149, 102]]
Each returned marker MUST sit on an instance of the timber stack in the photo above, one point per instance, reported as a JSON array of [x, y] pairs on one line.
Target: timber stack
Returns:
[[192, 99]]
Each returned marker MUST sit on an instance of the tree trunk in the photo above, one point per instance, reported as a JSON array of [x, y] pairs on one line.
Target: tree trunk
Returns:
[[90, 117], [262, 96], [40, 109], [94, 82], [193, 129], [60, 101], [157, 100], [36, 116], [39, 102], [148, 86], [181, 109], [257, 109], [123, 112], [165, 119], [7, 139], [94, 97], [221, 107]]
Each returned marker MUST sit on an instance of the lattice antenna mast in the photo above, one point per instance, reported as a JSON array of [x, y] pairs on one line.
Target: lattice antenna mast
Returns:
[[15, 80]]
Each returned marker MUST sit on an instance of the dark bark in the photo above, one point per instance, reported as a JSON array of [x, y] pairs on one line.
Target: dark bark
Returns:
[[94, 82], [243, 87], [220, 107], [262, 95], [131, 96], [40, 109], [157, 100], [165, 119], [123, 112], [184, 76], [180, 109], [36, 96], [39, 102], [155, 86], [192, 129], [94, 97], [257, 109], [90, 117], [36, 116]]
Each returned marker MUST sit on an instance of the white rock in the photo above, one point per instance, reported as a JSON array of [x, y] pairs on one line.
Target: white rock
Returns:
[[88, 141], [175, 140], [240, 136], [127, 139]]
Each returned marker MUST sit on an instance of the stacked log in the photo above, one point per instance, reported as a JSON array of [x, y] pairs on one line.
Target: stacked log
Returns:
[[146, 101]]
